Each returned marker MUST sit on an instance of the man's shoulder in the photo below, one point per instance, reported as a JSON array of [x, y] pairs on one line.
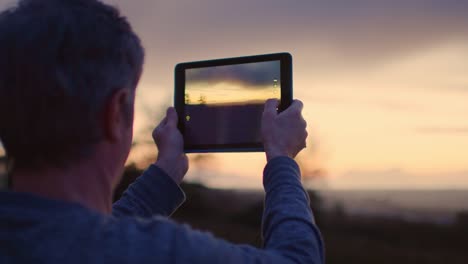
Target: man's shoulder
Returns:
[[57, 232]]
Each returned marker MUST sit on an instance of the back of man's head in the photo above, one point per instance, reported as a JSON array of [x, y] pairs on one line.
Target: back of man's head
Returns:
[[60, 61]]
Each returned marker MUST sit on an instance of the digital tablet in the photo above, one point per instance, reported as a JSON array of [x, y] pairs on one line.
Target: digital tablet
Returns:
[[220, 102]]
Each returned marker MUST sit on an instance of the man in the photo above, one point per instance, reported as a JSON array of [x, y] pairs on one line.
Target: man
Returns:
[[68, 74]]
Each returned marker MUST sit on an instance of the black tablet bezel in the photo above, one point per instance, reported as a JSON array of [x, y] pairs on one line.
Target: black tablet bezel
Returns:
[[179, 96]]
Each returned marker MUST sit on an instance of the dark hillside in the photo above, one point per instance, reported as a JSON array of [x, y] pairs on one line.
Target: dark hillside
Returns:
[[236, 216]]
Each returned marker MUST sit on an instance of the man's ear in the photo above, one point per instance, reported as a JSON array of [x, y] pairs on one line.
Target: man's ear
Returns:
[[117, 114]]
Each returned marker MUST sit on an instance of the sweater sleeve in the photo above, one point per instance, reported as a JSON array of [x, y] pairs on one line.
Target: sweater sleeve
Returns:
[[289, 232], [153, 193], [288, 225]]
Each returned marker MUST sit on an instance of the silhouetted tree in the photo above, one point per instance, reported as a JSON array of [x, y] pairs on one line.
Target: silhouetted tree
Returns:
[[202, 100]]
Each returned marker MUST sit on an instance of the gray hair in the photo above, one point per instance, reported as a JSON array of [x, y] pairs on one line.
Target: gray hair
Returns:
[[60, 62]]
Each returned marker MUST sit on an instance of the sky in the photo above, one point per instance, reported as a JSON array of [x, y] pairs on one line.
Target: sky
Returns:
[[240, 83], [384, 83]]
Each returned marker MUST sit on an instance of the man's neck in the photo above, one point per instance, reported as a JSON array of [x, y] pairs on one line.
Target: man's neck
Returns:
[[86, 183]]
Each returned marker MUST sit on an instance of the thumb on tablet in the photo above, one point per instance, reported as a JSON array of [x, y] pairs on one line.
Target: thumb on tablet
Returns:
[[270, 107], [171, 116]]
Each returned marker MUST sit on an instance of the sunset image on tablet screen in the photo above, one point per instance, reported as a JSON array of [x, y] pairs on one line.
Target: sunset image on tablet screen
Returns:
[[224, 104]]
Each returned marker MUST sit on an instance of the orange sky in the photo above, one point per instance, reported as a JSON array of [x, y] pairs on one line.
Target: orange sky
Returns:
[[227, 92], [384, 83]]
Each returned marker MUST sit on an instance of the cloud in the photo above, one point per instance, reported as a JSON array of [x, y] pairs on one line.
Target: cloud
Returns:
[[363, 30], [398, 178], [323, 36], [358, 24], [443, 130], [250, 75]]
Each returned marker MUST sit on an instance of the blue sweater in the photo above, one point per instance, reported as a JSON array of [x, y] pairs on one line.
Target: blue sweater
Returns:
[[38, 230]]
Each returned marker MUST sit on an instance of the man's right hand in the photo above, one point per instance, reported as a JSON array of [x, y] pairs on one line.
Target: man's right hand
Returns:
[[171, 157], [284, 134]]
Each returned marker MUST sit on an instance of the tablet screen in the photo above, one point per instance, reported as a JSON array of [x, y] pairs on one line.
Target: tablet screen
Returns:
[[224, 104]]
